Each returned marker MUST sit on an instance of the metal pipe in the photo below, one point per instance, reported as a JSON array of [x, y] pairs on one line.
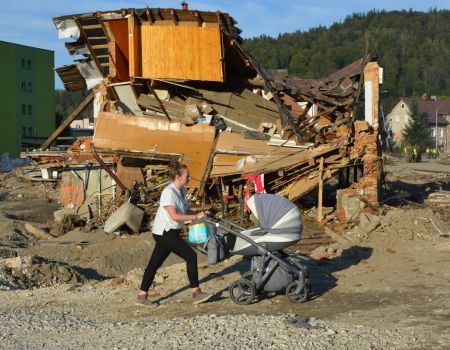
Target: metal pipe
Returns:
[[107, 169]]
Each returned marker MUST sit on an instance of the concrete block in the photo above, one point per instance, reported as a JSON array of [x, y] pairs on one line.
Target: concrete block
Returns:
[[128, 214], [349, 204]]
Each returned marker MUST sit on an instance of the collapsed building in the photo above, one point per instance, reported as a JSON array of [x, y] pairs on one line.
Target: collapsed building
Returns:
[[177, 84]]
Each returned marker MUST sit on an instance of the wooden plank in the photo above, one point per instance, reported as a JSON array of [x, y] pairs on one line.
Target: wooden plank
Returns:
[[134, 39], [92, 26], [102, 46], [143, 134], [305, 112], [88, 99], [159, 101], [320, 199], [181, 52]]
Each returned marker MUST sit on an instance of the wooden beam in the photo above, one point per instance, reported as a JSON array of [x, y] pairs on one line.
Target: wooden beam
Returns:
[[98, 37], [91, 50], [304, 113], [92, 26], [159, 101], [199, 18], [320, 199], [174, 16], [87, 100], [149, 16]]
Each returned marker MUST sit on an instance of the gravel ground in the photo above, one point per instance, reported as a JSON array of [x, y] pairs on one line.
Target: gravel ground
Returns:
[[56, 328]]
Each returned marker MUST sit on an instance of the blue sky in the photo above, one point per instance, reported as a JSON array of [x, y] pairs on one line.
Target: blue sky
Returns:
[[29, 22]]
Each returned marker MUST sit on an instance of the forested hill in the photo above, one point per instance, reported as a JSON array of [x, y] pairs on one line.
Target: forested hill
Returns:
[[413, 47]]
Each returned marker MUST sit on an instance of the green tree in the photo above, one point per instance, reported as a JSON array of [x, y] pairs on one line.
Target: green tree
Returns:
[[416, 135]]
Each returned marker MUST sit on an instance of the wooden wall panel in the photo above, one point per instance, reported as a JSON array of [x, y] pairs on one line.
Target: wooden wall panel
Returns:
[[118, 64], [181, 52], [143, 134], [119, 28]]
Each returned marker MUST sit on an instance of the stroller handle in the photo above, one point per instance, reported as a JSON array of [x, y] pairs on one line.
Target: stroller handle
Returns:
[[214, 220], [219, 222]]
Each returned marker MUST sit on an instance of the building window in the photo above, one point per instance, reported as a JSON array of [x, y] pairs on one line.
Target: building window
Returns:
[[397, 118], [403, 106], [441, 132], [29, 64], [30, 110], [24, 131], [23, 86], [30, 87], [23, 63], [30, 132], [24, 109], [433, 132]]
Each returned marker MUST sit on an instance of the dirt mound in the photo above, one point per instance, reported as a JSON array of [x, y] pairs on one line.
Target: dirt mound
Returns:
[[24, 272]]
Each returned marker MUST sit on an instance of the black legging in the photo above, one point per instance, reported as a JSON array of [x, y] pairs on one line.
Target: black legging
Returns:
[[170, 241]]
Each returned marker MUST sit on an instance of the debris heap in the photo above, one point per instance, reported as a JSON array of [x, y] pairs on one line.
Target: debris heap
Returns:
[[176, 84]]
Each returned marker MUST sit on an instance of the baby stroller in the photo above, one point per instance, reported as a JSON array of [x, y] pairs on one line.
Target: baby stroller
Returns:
[[272, 270]]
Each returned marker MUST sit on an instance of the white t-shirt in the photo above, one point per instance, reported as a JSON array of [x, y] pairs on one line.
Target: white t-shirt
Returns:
[[172, 196]]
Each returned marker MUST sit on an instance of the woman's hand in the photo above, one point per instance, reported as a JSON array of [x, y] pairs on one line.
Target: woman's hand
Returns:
[[200, 215]]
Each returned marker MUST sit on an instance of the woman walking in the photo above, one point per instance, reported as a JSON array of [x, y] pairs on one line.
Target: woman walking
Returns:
[[173, 211]]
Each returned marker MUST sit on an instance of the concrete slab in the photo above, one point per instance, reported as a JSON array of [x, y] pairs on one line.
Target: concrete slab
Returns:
[[128, 214]]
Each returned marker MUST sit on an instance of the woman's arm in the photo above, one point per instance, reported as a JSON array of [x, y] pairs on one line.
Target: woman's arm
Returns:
[[183, 217]]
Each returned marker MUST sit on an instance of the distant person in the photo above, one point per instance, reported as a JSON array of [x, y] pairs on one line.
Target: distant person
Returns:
[[173, 211], [184, 5]]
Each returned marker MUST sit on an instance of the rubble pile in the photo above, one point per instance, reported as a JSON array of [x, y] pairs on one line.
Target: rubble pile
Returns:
[[422, 224], [177, 85], [27, 272]]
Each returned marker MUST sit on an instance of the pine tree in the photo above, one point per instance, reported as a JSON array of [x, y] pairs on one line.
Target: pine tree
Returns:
[[416, 134]]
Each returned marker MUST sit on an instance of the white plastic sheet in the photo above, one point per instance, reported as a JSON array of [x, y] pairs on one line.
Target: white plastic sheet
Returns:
[[67, 29], [90, 73]]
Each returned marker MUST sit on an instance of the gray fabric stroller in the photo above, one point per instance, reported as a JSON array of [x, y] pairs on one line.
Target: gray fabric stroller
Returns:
[[272, 270]]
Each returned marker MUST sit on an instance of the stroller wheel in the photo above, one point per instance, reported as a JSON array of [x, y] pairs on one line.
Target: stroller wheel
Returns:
[[242, 291], [297, 292]]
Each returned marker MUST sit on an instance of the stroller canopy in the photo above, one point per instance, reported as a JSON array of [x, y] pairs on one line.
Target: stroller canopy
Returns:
[[275, 214]]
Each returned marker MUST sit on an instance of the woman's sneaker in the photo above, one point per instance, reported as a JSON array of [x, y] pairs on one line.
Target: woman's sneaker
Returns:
[[143, 301], [201, 297]]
